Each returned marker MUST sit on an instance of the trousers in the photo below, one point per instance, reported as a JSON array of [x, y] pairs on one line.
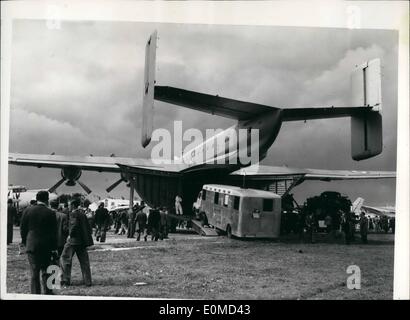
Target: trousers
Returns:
[[67, 260], [39, 262]]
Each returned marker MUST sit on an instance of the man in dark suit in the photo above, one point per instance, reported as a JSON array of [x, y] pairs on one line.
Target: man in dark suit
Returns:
[[11, 217], [154, 223], [79, 238], [102, 219], [62, 227], [164, 223], [38, 234], [142, 222], [131, 222], [364, 227]]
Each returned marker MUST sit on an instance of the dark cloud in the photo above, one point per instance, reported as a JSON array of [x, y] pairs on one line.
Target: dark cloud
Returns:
[[78, 90]]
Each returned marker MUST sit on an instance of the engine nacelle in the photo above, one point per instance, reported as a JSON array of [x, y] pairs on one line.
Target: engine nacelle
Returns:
[[71, 174]]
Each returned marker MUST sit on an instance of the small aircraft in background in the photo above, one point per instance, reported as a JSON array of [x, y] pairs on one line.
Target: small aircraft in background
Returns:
[[358, 207], [112, 204], [22, 196]]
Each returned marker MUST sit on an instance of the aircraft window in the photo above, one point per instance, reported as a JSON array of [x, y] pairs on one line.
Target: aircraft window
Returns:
[[267, 204], [203, 194], [236, 203], [226, 200], [216, 198]]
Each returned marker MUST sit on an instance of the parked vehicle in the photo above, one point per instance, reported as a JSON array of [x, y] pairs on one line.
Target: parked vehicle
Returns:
[[244, 213]]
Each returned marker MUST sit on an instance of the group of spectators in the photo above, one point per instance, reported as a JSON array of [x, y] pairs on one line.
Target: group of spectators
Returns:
[[382, 224], [306, 224], [140, 221], [51, 235]]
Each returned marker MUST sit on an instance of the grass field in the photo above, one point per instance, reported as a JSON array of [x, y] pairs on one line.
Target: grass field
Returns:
[[194, 267]]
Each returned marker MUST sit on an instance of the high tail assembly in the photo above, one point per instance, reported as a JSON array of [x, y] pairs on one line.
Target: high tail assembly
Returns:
[[365, 110], [366, 128]]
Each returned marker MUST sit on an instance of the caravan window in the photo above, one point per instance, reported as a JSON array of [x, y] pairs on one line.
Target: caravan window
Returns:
[[203, 194], [236, 203], [267, 204], [216, 198]]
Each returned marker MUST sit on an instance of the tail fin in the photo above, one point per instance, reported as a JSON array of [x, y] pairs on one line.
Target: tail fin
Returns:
[[149, 86], [357, 205], [366, 128]]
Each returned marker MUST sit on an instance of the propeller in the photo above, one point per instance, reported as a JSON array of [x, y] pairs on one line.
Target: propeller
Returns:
[[86, 189], [115, 184], [71, 175], [59, 183]]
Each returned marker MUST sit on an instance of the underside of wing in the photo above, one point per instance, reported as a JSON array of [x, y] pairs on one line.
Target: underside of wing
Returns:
[[266, 172], [88, 163]]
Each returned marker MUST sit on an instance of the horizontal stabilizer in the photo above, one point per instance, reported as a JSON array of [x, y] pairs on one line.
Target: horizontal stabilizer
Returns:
[[297, 114], [213, 104]]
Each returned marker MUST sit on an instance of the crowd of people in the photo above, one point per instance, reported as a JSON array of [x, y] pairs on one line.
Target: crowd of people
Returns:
[[139, 222], [51, 235], [306, 224]]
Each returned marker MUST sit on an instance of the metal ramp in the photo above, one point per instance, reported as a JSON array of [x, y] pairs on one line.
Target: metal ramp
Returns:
[[196, 225], [203, 230]]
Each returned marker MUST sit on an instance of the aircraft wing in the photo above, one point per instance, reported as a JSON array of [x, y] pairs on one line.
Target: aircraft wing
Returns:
[[88, 163], [263, 172], [380, 211], [72, 166]]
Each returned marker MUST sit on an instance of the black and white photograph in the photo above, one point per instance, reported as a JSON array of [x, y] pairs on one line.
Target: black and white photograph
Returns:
[[161, 159]]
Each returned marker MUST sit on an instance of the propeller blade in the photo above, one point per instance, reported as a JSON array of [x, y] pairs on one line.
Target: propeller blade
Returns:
[[59, 183], [86, 189], [114, 185]]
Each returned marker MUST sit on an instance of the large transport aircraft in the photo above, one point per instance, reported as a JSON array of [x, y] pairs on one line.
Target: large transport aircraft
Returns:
[[158, 184]]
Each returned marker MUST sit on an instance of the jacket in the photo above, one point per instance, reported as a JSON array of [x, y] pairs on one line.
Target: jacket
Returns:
[[62, 228], [154, 219], [38, 229], [11, 214], [79, 229], [101, 217], [142, 219]]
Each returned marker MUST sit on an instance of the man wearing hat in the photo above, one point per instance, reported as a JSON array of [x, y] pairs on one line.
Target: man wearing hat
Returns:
[[79, 238]]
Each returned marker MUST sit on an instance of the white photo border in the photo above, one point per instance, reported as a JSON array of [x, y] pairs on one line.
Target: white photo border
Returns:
[[393, 15]]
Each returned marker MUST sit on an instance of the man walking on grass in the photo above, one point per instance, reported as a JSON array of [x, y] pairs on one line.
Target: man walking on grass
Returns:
[[79, 238], [39, 235]]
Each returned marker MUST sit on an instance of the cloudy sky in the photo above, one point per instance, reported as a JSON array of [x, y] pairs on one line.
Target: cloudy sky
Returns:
[[77, 90]]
